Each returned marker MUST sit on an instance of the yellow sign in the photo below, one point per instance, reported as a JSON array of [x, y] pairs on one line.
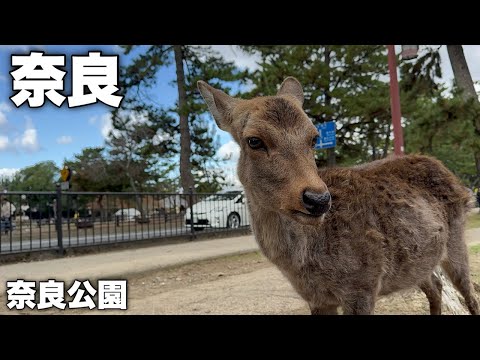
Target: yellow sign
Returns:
[[65, 173]]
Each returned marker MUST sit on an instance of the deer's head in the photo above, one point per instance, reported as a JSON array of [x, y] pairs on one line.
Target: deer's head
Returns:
[[276, 138]]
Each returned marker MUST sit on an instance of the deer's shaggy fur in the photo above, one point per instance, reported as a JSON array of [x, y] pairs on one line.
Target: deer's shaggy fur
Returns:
[[391, 221]]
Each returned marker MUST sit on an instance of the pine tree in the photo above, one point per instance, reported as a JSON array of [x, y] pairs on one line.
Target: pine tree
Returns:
[[341, 83], [438, 121], [185, 120]]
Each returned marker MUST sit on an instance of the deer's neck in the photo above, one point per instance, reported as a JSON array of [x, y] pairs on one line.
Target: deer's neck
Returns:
[[279, 240]]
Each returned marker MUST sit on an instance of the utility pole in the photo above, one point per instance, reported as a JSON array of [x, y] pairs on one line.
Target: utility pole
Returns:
[[395, 102]]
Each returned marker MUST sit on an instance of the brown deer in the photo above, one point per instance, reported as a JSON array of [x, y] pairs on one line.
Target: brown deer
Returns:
[[343, 236]]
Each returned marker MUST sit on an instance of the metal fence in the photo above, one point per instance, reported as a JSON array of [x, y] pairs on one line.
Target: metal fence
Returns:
[[31, 221]]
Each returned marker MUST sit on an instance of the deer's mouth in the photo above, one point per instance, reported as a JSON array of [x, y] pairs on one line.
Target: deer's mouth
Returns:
[[301, 213], [305, 218]]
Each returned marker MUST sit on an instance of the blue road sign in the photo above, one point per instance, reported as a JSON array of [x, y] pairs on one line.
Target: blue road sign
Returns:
[[327, 138]]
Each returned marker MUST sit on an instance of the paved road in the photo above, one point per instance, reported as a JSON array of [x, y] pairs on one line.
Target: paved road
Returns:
[[128, 261], [121, 263], [473, 236], [263, 291]]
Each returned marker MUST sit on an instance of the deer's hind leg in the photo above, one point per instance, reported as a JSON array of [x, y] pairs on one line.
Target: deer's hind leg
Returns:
[[433, 290]]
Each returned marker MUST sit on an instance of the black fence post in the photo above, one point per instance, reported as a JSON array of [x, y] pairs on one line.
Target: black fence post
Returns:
[[192, 227], [59, 219]]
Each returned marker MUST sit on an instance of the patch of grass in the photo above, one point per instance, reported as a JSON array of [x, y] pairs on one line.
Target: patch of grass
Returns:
[[473, 221], [475, 249]]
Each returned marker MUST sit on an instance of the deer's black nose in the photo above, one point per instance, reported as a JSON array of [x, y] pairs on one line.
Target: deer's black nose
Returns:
[[316, 203]]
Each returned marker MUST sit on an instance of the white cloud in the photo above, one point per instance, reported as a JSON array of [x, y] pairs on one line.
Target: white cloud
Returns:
[[241, 59], [64, 140], [4, 142], [229, 151], [231, 175], [3, 119], [15, 49], [106, 125], [103, 122], [7, 172], [4, 108], [28, 140], [117, 49]]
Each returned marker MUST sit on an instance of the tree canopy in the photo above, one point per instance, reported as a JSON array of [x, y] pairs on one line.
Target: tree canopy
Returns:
[[177, 131], [39, 177], [167, 145]]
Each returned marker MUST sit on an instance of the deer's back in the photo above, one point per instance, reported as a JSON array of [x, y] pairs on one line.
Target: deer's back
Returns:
[[390, 217], [426, 174]]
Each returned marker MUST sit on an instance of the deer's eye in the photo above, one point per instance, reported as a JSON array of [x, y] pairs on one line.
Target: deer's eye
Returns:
[[256, 143], [315, 140]]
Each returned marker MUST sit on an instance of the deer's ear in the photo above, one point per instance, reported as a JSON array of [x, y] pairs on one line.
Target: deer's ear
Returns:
[[219, 104], [291, 86]]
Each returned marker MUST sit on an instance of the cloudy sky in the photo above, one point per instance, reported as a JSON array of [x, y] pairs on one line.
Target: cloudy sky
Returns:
[[30, 135]]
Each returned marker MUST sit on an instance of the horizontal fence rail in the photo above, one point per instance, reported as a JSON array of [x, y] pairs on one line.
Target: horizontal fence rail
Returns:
[[31, 221]]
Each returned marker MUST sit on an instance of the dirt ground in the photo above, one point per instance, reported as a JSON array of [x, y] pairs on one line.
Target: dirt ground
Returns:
[[241, 284]]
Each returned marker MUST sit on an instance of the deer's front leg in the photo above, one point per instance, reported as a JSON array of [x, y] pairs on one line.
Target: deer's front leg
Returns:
[[324, 309], [360, 304]]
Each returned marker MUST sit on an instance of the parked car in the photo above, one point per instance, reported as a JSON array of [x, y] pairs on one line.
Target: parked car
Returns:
[[6, 225], [127, 214], [226, 209]]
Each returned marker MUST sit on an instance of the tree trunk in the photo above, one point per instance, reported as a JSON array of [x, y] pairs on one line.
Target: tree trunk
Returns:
[[461, 73], [331, 157], [186, 177], [464, 81], [101, 207], [138, 200]]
